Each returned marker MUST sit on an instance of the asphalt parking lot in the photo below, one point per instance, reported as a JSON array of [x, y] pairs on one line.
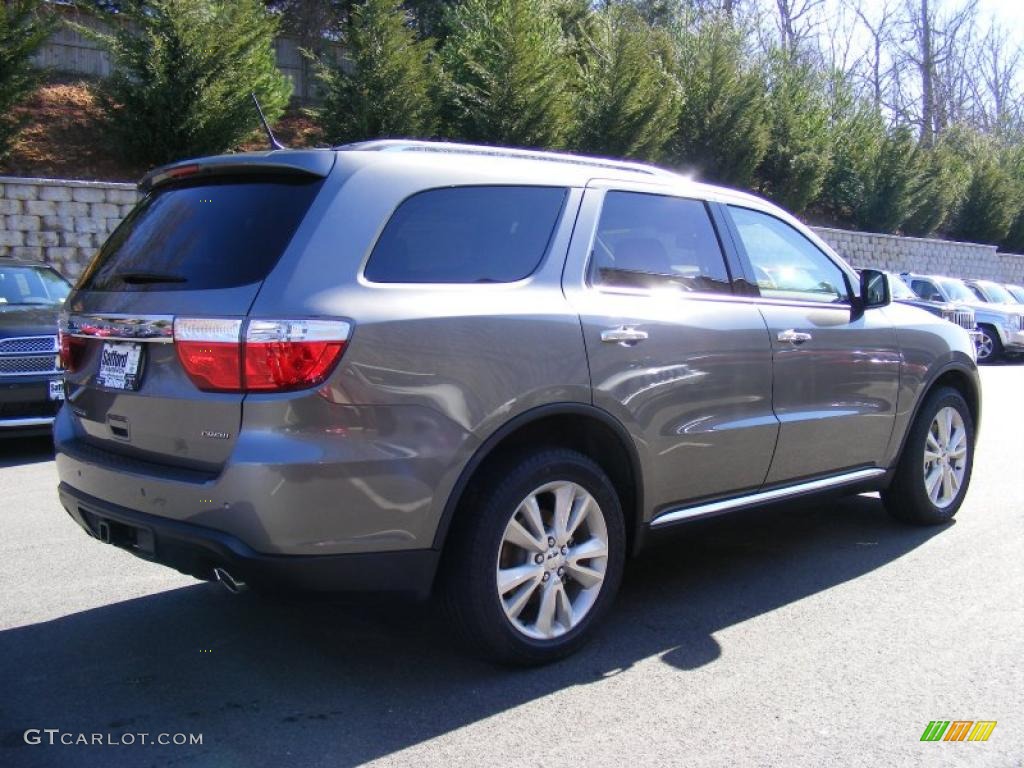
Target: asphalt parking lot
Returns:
[[821, 635]]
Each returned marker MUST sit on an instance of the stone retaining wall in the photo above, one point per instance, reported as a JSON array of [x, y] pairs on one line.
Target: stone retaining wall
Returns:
[[60, 222], [929, 256], [63, 222]]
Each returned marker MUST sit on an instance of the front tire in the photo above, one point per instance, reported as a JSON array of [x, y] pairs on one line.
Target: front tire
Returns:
[[536, 558], [990, 348], [934, 471]]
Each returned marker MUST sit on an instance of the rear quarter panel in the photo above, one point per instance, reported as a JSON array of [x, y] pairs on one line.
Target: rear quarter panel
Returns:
[[430, 372]]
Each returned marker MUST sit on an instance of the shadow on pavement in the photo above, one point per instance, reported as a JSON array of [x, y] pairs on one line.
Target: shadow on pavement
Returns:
[[17, 450], [301, 684]]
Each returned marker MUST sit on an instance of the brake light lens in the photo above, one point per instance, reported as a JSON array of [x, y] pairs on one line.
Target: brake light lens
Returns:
[[210, 351], [273, 356], [281, 355], [71, 347]]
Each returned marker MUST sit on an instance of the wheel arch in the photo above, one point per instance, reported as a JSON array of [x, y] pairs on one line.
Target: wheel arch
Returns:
[[956, 376], [579, 426]]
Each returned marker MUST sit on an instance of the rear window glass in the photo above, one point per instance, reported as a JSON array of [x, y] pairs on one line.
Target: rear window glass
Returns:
[[213, 234], [467, 235]]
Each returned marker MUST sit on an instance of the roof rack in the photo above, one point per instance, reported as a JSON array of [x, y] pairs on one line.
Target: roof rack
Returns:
[[445, 147]]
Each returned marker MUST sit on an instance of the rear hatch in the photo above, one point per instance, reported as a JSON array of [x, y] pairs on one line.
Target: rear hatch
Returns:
[[198, 245]]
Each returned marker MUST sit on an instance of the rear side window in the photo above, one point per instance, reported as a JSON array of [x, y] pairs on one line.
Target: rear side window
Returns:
[[467, 235], [657, 241], [213, 234]]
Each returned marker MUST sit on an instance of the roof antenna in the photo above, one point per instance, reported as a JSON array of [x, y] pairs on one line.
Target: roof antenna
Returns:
[[274, 143]]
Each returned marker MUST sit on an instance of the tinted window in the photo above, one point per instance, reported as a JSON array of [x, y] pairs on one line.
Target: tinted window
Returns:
[[926, 290], [467, 235], [31, 285], [955, 289], [996, 293], [899, 289], [215, 234], [646, 241], [786, 264]]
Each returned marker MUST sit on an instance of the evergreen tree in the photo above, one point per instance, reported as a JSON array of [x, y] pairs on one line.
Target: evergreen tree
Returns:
[[723, 127], [629, 101], [944, 182], [23, 28], [182, 74], [507, 79], [385, 85], [799, 147], [990, 205], [857, 131], [892, 184]]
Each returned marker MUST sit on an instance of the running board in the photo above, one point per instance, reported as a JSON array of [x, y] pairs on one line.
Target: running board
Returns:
[[762, 497]]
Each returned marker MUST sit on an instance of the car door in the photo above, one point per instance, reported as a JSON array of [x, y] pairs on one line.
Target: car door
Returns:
[[835, 371], [673, 355]]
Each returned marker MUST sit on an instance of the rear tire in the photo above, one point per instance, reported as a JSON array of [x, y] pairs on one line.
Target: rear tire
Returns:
[[535, 559], [934, 470], [990, 348]]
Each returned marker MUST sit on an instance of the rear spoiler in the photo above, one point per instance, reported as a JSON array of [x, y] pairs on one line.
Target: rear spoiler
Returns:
[[314, 163]]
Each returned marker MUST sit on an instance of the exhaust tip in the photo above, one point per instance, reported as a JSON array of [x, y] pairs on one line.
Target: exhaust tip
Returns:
[[230, 583]]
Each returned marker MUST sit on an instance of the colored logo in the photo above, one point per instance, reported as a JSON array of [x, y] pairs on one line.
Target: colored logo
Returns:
[[958, 730]]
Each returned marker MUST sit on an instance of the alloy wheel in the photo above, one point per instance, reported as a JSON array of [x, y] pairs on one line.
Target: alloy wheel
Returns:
[[552, 560], [945, 457]]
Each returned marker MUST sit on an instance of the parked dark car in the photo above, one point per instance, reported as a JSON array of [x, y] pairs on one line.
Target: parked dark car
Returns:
[[397, 364], [31, 387]]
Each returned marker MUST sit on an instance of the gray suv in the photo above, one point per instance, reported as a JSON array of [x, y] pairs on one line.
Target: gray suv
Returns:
[[493, 374], [1001, 325]]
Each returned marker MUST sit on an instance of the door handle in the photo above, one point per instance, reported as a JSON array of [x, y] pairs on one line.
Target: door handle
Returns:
[[622, 335], [794, 337]]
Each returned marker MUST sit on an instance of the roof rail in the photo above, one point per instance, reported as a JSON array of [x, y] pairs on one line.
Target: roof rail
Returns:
[[446, 147]]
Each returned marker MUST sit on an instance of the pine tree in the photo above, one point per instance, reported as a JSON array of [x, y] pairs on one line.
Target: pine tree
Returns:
[[182, 75], [799, 148], [507, 79], [385, 87], [857, 130], [990, 205], [723, 127], [943, 185], [892, 184], [629, 101], [23, 28]]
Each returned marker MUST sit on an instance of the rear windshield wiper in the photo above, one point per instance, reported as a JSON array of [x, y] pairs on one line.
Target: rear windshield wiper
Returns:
[[144, 278]]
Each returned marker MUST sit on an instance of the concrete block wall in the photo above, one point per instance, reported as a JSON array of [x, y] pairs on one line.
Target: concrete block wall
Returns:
[[925, 255], [60, 222]]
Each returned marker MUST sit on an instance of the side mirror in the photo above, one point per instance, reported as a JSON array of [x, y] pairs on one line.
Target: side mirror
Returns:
[[874, 289]]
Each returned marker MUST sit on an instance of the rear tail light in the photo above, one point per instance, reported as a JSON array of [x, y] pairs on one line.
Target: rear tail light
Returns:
[[291, 354], [210, 352], [273, 356], [71, 348]]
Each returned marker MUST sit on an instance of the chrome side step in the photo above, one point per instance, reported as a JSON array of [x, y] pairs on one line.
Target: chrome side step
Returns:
[[762, 497], [34, 421]]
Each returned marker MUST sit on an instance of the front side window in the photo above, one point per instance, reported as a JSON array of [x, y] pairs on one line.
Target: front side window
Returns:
[[467, 235], [786, 264], [654, 241]]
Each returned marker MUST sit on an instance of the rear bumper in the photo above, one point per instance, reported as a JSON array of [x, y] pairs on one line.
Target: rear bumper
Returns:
[[196, 550], [25, 404]]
